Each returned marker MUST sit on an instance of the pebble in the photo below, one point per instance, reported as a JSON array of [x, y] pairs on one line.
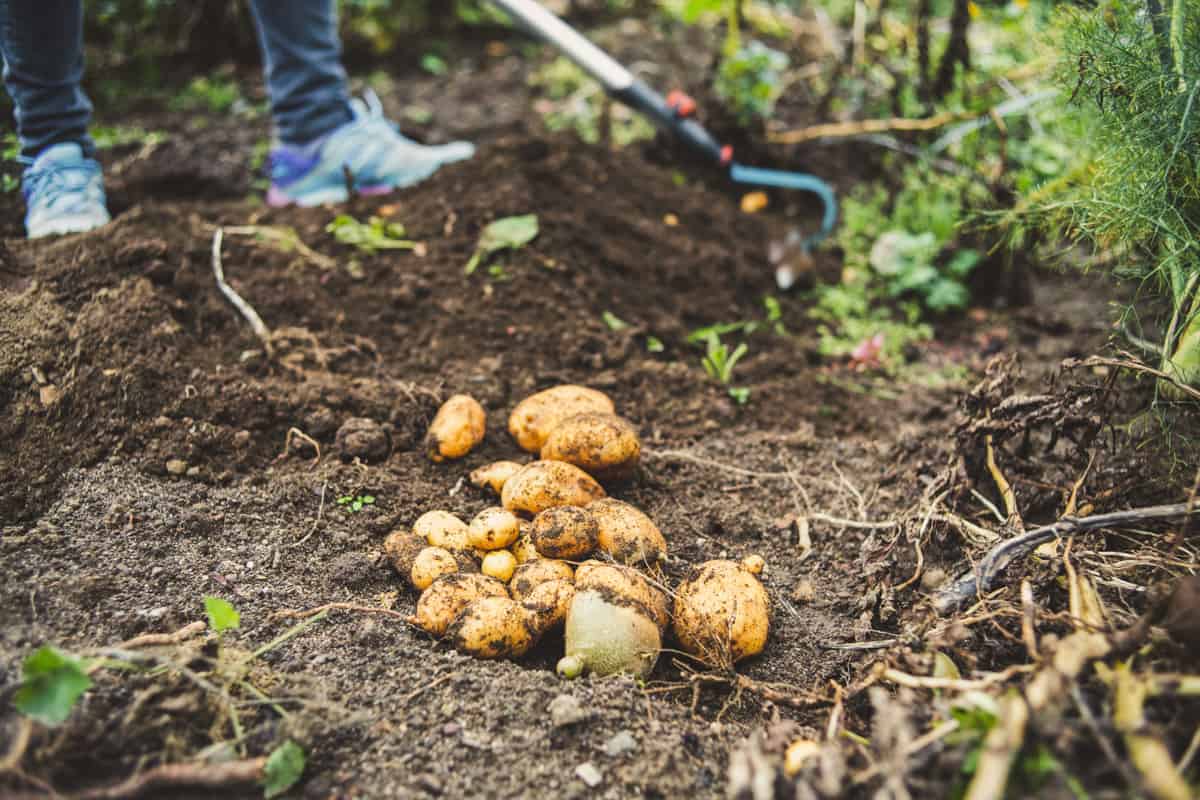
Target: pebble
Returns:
[[621, 743], [566, 710], [177, 467], [588, 773]]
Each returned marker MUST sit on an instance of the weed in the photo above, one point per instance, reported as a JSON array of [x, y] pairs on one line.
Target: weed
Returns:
[[109, 136], [719, 360], [374, 234], [497, 273], [508, 233], [577, 103], [353, 503], [750, 80], [613, 322], [51, 682], [654, 344], [9, 183], [215, 94]]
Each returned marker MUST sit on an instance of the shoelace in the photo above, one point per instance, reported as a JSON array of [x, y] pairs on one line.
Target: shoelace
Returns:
[[56, 179]]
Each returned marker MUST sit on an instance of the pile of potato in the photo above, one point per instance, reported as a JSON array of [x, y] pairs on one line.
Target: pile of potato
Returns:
[[558, 553]]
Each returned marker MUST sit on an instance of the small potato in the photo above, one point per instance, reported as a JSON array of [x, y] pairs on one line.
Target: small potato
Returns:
[[626, 583], [754, 564], [402, 548], [442, 529], [493, 476], [546, 484], [604, 446], [499, 564], [493, 627], [535, 416], [431, 564], [722, 613], [457, 427], [446, 597], [493, 529], [532, 574], [523, 547], [549, 603], [627, 534], [567, 532]]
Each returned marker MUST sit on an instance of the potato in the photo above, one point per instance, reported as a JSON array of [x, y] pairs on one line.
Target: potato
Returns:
[[446, 597], [535, 416], [431, 564], [492, 476], [442, 529], [499, 564], [626, 583], [402, 548], [493, 627], [627, 534], [722, 613], [532, 574], [457, 427], [754, 564], [493, 529], [604, 446], [549, 604], [606, 634], [564, 532], [546, 484], [523, 547]]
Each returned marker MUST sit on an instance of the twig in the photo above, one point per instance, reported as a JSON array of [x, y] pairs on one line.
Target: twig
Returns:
[[296, 433], [154, 639], [200, 775], [317, 521], [245, 309], [1004, 487], [18, 746], [284, 238], [1029, 620], [292, 632], [408, 698], [1005, 109], [1147, 751], [1136, 366], [288, 613], [1000, 748], [951, 684], [984, 576], [841, 130], [886, 524]]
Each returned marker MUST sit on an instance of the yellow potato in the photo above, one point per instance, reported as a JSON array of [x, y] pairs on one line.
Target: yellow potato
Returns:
[[493, 476], [431, 564], [457, 427], [535, 416], [446, 597], [604, 446], [754, 564], [493, 627], [402, 548], [523, 547], [534, 573], [493, 529], [499, 564], [567, 532], [722, 613], [626, 583], [442, 529], [549, 603], [546, 484], [627, 534]]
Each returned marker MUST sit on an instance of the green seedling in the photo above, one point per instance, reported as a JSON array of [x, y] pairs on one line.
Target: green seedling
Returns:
[[614, 322], [107, 137], [497, 273], [374, 234], [222, 616], [509, 233], [216, 94], [719, 361], [51, 682], [434, 64], [750, 80], [284, 767], [740, 394], [353, 503], [9, 183], [654, 344]]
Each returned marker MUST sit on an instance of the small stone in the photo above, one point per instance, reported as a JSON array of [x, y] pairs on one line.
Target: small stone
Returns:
[[621, 743], [241, 439], [49, 395], [566, 710], [451, 729], [193, 472], [430, 784], [588, 773], [804, 592], [177, 467]]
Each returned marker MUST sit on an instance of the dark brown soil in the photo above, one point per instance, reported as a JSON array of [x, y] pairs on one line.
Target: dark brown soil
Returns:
[[106, 536]]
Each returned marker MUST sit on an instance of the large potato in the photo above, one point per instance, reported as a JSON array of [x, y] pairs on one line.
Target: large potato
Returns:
[[567, 532], [606, 634], [722, 613], [531, 574], [627, 583], [546, 484], [457, 427], [604, 446], [446, 597], [627, 534], [493, 529], [549, 603], [442, 529], [494, 627], [535, 416], [493, 476]]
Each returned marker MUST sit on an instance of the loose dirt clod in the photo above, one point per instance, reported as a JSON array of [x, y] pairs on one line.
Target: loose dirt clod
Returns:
[[359, 437]]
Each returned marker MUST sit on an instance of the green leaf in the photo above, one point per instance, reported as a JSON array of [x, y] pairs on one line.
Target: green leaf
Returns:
[[51, 682], [654, 344], [740, 394], [369, 499], [284, 767], [944, 667], [222, 616], [434, 64], [374, 234], [720, 329], [946, 294], [508, 233], [614, 322]]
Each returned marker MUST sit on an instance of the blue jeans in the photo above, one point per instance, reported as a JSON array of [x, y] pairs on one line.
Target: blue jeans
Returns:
[[42, 45]]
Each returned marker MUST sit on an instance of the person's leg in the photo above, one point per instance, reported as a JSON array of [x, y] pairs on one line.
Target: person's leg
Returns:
[[41, 42]]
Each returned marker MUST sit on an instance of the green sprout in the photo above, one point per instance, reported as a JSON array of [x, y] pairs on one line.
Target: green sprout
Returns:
[[374, 234], [353, 503]]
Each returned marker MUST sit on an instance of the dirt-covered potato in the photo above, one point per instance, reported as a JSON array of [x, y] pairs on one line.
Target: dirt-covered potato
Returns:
[[606, 634], [457, 427], [493, 529], [430, 564], [492, 476], [402, 548], [549, 604], [627, 534], [534, 573], [722, 613], [604, 446], [535, 416], [626, 583], [546, 484], [442, 529], [499, 564], [567, 532], [523, 547], [449, 595], [493, 627]]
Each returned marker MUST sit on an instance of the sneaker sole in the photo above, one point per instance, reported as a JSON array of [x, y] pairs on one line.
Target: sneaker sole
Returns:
[[61, 226]]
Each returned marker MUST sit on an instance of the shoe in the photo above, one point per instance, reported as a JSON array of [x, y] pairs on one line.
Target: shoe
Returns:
[[368, 153], [64, 192]]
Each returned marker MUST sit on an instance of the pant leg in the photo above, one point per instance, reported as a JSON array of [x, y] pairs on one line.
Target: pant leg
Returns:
[[42, 45], [302, 59]]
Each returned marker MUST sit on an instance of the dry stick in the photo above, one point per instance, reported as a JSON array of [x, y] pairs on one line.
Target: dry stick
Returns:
[[317, 521], [1136, 366], [288, 613], [841, 130], [260, 328], [296, 433], [1000, 748], [1028, 620], [200, 775], [153, 639], [986, 573], [1147, 751]]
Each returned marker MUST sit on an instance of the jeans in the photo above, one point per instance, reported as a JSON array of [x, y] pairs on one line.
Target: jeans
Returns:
[[42, 45]]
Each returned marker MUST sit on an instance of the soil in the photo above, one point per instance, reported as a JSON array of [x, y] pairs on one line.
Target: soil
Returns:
[[148, 459]]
